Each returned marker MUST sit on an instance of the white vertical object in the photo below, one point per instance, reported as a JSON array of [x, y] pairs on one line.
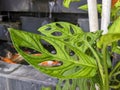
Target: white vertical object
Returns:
[[93, 15], [105, 20]]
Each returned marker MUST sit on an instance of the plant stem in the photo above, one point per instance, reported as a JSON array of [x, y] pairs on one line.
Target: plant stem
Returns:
[[98, 62], [114, 69], [105, 66]]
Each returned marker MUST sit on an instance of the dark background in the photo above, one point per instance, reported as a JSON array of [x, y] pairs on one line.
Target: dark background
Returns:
[[39, 6]]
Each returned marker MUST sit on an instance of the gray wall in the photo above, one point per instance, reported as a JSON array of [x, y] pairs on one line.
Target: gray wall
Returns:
[[40, 6]]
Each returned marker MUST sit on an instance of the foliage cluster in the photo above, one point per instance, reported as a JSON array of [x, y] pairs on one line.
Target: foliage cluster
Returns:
[[86, 57]]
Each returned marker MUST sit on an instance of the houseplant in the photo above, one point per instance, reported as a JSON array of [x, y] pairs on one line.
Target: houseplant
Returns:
[[86, 62], [84, 56]]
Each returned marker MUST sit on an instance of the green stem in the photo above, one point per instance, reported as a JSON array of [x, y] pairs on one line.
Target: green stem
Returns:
[[98, 62], [114, 69], [105, 66]]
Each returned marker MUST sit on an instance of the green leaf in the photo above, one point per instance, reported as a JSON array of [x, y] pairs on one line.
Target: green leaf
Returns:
[[115, 13], [59, 84], [45, 88], [75, 84], [82, 84], [108, 39], [57, 28], [117, 4], [66, 85], [85, 7], [66, 3], [81, 66], [114, 77], [116, 47], [114, 28], [109, 62]]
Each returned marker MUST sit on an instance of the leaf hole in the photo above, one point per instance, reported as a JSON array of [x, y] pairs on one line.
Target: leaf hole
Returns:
[[50, 48], [29, 50], [48, 28], [79, 44], [57, 33], [89, 52], [88, 38], [71, 53], [58, 25], [51, 63], [71, 30]]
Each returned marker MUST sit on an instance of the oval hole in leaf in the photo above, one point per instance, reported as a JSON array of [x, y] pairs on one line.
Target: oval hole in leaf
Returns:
[[88, 38], [88, 52], [58, 25], [48, 28], [71, 53], [71, 30], [51, 63], [74, 56], [57, 33], [29, 50], [79, 44], [50, 48]]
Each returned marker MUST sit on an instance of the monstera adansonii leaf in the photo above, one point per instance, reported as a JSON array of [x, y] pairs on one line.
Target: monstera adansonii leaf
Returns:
[[114, 32], [64, 38], [112, 37]]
